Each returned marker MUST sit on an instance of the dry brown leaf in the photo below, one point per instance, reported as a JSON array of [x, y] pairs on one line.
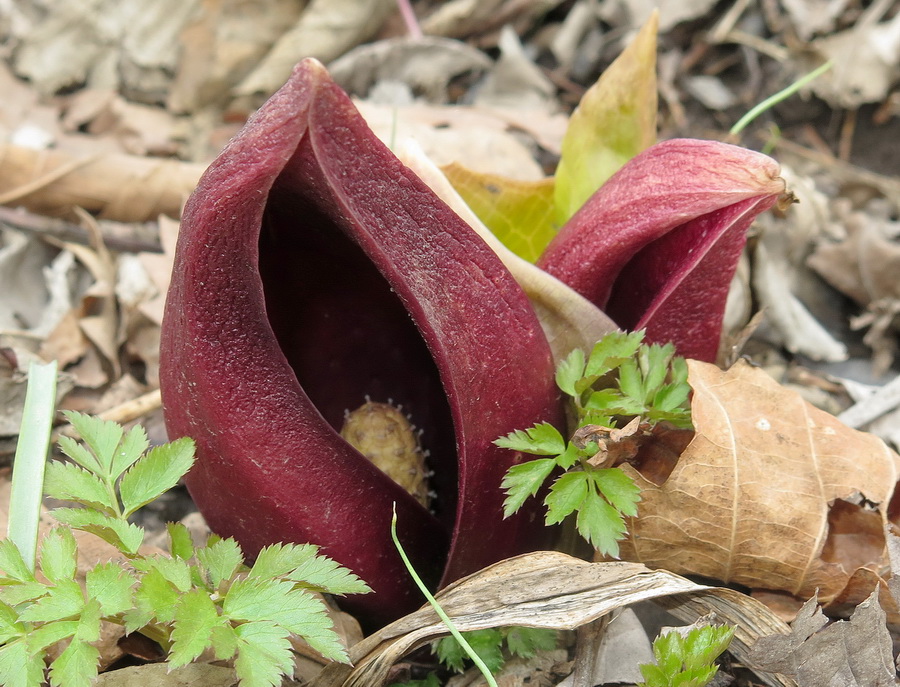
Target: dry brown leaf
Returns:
[[552, 590], [854, 653], [771, 493]]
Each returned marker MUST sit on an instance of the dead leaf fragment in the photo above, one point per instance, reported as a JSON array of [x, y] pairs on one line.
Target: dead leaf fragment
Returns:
[[854, 653], [771, 493]]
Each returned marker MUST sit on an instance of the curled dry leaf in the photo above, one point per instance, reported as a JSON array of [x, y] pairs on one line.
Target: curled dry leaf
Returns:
[[771, 493], [553, 590]]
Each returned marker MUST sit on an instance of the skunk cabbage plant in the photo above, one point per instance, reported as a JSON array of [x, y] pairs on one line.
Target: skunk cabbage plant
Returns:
[[657, 245], [315, 272]]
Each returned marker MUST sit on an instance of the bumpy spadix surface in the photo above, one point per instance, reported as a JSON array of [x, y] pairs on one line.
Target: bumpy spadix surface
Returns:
[[314, 270]]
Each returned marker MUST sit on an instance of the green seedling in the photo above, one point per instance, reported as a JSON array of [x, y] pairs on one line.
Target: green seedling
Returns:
[[622, 379], [687, 661], [195, 599]]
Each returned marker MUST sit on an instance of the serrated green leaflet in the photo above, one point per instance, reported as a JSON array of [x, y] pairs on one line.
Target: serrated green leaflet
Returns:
[[195, 617], [121, 534], [111, 586], [11, 562], [611, 351], [543, 440], [15, 594], [601, 525], [527, 641], [155, 473], [68, 482], [155, 597], [175, 570], [221, 560], [130, 449], [19, 667], [280, 559], [322, 574], [263, 654], [47, 634], [64, 600], [570, 370], [617, 488], [76, 666], [100, 436], [180, 543], [524, 480], [566, 495], [58, 560], [224, 641], [9, 623]]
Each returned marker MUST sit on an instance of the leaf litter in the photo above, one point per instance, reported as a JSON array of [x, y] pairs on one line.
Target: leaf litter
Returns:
[[857, 511]]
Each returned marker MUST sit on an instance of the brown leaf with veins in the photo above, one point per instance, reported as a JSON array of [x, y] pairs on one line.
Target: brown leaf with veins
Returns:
[[771, 493]]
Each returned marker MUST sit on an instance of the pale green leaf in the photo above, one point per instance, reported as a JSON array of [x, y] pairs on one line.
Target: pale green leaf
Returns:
[[65, 600], [519, 213], [280, 559], [264, 654], [111, 586], [613, 350], [175, 570], [566, 495], [224, 641], [488, 645], [76, 666], [569, 371], [322, 574], [277, 601], [180, 543], [221, 560], [19, 667], [81, 455], [524, 480], [102, 437], [129, 450], [9, 623], [615, 120], [48, 634], [11, 562], [156, 473], [89, 622], [121, 534], [19, 592], [68, 482], [195, 617], [543, 440], [703, 645], [155, 598], [58, 555]]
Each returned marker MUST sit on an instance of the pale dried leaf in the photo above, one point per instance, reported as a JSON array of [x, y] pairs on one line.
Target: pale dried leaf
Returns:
[[771, 492], [551, 590]]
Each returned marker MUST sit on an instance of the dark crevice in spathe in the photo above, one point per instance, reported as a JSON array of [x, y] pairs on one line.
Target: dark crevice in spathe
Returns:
[[347, 335]]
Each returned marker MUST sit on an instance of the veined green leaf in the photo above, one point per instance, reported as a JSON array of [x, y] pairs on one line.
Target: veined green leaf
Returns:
[[263, 655], [195, 617], [64, 600], [68, 482], [519, 213], [48, 634], [487, 643], [615, 121], [58, 555], [224, 641], [111, 586], [175, 570], [527, 641], [566, 495], [121, 534], [11, 562], [617, 488], [10, 626], [611, 351], [15, 594], [570, 371], [76, 666], [19, 667], [600, 524], [543, 440], [129, 450], [89, 622], [524, 480], [221, 560], [180, 543], [155, 598], [156, 473], [280, 559], [102, 437], [322, 574], [703, 645]]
